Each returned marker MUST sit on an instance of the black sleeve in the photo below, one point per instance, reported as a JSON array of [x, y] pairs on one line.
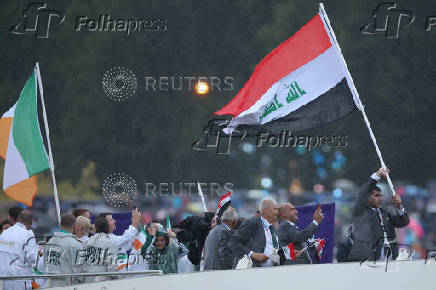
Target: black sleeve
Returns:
[[225, 252]]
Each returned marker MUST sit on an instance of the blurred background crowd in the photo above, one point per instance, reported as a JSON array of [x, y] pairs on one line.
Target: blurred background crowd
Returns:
[[420, 204]]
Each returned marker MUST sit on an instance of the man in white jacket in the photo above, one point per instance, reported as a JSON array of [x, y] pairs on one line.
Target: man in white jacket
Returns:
[[18, 250], [63, 254], [101, 252], [124, 242]]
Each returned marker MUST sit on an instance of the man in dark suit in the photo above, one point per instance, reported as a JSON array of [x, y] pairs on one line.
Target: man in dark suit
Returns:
[[288, 232], [217, 252], [257, 237], [374, 226]]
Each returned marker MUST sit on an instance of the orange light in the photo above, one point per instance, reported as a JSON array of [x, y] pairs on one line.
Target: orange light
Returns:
[[202, 88]]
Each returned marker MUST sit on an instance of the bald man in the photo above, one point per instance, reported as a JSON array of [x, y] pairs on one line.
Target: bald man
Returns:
[[257, 237], [288, 232]]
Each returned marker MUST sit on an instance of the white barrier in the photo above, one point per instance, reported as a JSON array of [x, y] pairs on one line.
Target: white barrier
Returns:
[[405, 275], [47, 276]]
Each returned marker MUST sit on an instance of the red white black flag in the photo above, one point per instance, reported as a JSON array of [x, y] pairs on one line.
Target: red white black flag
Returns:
[[301, 84]]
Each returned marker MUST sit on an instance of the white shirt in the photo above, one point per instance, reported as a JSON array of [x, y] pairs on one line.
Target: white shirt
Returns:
[[268, 243]]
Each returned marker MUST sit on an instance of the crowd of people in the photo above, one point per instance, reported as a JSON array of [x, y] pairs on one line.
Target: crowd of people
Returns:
[[213, 241]]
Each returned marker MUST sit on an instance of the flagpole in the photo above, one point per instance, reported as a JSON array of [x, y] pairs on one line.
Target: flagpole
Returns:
[[200, 193], [47, 133], [359, 102]]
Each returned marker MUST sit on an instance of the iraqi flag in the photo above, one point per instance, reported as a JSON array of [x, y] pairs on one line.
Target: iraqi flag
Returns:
[[316, 246], [224, 203], [301, 84], [21, 145], [289, 252]]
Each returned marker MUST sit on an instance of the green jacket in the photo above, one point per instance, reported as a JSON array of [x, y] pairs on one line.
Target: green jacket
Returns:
[[165, 260]]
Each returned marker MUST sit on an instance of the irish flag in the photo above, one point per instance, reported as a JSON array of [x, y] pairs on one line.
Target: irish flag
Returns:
[[301, 84], [21, 145]]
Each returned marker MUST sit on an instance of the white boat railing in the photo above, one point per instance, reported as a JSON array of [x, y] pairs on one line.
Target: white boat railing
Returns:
[[48, 276]]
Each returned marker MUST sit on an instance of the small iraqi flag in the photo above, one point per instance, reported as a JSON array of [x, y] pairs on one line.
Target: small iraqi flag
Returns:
[[302, 84], [289, 252], [224, 203], [316, 246]]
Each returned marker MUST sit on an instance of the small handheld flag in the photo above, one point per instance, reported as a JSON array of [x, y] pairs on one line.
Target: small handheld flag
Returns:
[[224, 203], [168, 225], [289, 251], [316, 246]]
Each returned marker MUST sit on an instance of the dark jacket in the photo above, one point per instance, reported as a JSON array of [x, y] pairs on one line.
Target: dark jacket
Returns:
[[250, 236], [217, 252], [290, 234], [368, 232]]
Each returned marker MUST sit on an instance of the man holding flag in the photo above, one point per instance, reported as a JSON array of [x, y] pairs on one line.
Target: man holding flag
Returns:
[[374, 226], [302, 84], [292, 237]]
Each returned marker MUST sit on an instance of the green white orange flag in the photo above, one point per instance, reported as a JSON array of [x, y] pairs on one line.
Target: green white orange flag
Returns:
[[21, 145]]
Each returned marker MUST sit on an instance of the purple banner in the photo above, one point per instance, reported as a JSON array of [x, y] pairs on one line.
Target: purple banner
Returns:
[[325, 230], [122, 221]]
